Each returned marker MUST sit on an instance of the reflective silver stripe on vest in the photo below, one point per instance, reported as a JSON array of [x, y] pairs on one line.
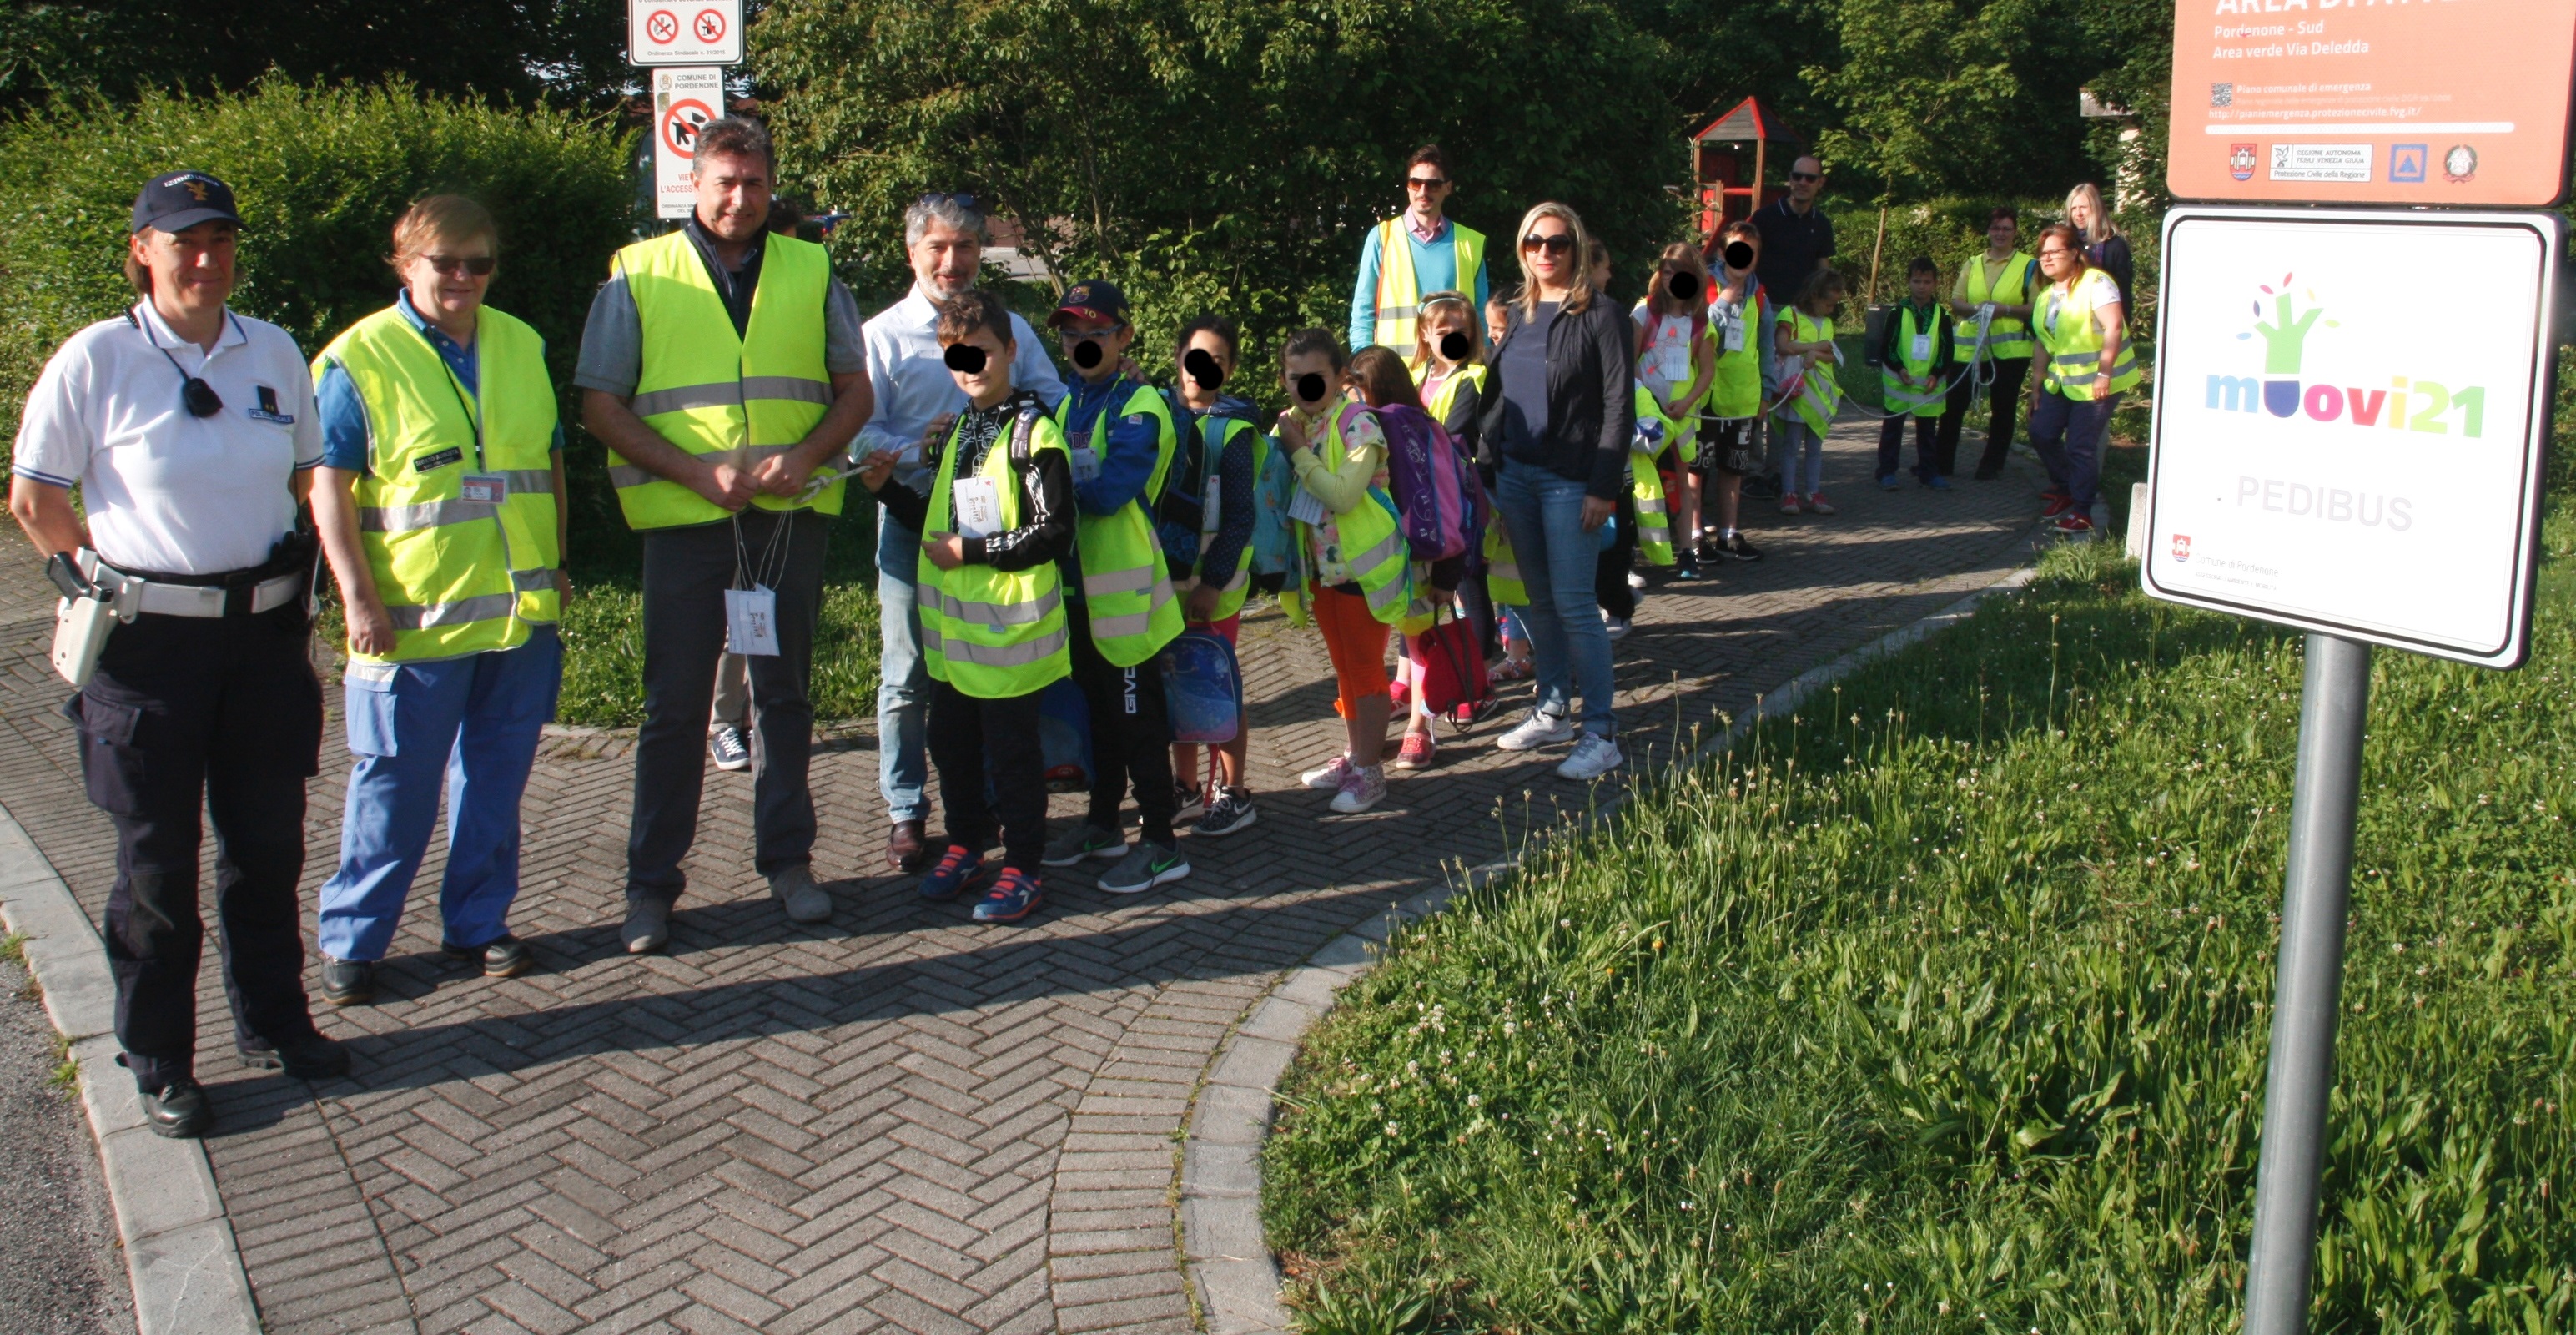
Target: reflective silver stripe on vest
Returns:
[[623, 476], [731, 394], [1503, 571], [427, 514], [993, 655], [1136, 580], [1653, 507], [995, 616], [1392, 544], [1134, 623], [792, 387], [532, 581], [529, 481], [423, 616], [1391, 594], [1398, 312]]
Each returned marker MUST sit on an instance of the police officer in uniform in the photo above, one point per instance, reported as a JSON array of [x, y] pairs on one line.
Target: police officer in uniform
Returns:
[[190, 432]]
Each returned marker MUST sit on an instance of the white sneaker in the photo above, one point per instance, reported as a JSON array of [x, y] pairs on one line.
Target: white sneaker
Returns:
[[1539, 729], [1330, 776], [1593, 757], [1361, 789], [1616, 627], [1636, 579]]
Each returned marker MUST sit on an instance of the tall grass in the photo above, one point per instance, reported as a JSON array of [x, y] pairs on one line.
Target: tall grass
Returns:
[[1943, 1007]]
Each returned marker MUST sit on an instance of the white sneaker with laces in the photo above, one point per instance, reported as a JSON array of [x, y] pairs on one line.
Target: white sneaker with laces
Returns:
[[1539, 729], [1329, 777], [1593, 757], [1636, 579], [1361, 789]]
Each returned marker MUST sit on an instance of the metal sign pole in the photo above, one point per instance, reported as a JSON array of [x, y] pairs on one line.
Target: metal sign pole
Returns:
[[2308, 991]]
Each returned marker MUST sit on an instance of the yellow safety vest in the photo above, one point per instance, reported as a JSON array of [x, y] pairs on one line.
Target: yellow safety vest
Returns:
[[1399, 293], [711, 391], [993, 634], [1126, 592], [1502, 569], [1212, 507], [2074, 342], [1371, 549], [1446, 397], [1905, 384], [1646, 484], [1736, 390], [1815, 405], [456, 511], [2009, 336]]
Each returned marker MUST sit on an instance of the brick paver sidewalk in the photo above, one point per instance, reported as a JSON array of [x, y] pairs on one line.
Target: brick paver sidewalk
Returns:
[[898, 1120]]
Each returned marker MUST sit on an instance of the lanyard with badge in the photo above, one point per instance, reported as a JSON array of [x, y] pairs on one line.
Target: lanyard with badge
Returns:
[[1728, 316], [477, 485]]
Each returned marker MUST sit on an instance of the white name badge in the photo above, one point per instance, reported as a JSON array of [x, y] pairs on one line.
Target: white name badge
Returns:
[[1306, 508], [1922, 349], [978, 505], [1086, 464], [751, 621], [1730, 325], [483, 488]]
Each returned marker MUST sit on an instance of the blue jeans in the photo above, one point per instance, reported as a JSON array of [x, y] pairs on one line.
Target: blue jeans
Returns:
[[1802, 456], [2068, 434], [903, 678], [469, 725], [1543, 513]]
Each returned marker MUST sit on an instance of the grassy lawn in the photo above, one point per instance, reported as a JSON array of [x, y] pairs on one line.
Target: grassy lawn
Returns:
[[1943, 1007]]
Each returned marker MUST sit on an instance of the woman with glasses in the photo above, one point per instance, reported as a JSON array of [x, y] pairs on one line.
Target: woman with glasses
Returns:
[[188, 430], [437, 504], [1559, 412], [2080, 323]]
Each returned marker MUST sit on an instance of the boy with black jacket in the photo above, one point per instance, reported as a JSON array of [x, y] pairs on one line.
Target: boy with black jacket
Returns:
[[1914, 356]]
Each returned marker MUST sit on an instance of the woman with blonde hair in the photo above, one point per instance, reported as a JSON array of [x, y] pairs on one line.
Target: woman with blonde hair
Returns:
[[1559, 414], [2104, 246]]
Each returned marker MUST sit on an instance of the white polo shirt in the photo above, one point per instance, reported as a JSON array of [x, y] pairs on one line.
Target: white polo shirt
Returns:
[[166, 491]]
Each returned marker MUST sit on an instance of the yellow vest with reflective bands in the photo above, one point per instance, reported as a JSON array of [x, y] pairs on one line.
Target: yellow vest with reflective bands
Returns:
[[2074, 342], [1906, 385], [993, 634], [1816, 404], [1126, 592], [2008, 336], [710, 391], [1502, 570], [1735, 391], [1399, 292], [458, 575], [1373, 550], [1646, 484]]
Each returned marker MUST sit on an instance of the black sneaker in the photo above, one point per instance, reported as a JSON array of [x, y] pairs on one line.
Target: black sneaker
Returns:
[[179, 1110], [1737, 549], [310, 1057], [1189, 801], [1685, 566], [506, 958], [1230, 812], [348, 982]]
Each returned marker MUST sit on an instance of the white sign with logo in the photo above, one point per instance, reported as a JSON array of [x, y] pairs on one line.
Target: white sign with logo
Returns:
[[2349, 416], [683, 32], [684, 100]]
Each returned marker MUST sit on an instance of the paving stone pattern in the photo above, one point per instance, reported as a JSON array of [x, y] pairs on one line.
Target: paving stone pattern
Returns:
[[897, 1121]]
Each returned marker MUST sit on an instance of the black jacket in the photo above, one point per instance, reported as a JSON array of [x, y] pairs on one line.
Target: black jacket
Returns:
[[1046, 495], [1591, 405]]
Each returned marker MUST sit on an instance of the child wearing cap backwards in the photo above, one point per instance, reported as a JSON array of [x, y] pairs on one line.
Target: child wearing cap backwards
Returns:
[[998, 518], [1122, 441]]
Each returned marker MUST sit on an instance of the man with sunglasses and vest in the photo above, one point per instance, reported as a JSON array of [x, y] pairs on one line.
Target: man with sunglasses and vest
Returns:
[[1415, 252], [723, 366], [191, 434]]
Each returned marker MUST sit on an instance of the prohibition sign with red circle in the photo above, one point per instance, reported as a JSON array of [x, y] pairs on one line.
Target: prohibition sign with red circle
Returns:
[[662, 27], [710, 26], [680, 125]]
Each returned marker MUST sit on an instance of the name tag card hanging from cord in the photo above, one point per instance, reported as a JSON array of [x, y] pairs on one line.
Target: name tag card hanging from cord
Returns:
[[751, 606]]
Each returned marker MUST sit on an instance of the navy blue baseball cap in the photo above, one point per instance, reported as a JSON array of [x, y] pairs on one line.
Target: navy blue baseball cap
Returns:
[[177, 201], [1098, 299]]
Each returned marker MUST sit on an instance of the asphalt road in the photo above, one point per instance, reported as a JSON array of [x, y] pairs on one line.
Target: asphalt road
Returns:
[[60, 1273]]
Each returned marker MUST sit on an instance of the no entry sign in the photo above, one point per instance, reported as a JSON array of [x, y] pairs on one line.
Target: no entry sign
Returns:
[[684, 100], [2338, 445], [689, 32]]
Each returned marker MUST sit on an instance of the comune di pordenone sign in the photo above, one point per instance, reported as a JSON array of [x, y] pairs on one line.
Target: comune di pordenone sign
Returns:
[[2350, 414]]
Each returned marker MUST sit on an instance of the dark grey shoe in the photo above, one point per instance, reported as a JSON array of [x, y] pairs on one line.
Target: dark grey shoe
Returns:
[[348, 982], [648, 926], [179, 1110], [311, 1057], [805, 901], [506, 958]]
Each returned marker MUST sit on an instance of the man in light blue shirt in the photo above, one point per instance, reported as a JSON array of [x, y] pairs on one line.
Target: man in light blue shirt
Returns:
[[1407, 256], [943, 235]]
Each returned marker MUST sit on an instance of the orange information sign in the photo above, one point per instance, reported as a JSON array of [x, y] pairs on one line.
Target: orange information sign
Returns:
[[2440, 102]]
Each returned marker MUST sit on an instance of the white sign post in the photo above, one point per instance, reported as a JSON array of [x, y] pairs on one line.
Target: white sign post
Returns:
[[684, 100], [2342, 448], [683, 32]]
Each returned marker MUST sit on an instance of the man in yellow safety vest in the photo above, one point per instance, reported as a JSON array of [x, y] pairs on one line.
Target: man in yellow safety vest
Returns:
[[1416, 252], [723, 366]]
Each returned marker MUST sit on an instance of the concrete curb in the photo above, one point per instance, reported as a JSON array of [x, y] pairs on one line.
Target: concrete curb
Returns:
[[179, 1248], [1223, 1251]]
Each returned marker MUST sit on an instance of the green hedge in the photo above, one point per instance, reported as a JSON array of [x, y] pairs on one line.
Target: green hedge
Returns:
[[321, 174]]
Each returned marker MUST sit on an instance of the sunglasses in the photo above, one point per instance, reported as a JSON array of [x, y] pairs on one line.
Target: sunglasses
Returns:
[[478, 265], [1562, 243], [1806, 176], [1425, 182]]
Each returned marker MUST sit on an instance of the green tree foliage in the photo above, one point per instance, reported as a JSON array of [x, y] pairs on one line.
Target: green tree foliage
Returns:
[[1955, 96], [2137, 36], [320, 175]]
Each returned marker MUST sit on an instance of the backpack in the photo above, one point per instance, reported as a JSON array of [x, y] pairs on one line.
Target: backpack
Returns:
[[1439, 506]]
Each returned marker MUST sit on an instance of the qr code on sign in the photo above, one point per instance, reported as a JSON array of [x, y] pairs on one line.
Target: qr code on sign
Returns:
[[2222, 95]]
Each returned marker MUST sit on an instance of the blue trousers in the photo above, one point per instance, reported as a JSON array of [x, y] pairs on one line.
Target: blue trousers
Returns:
[[903, 678], [468, 726], [2068, 434], [1544, 515]]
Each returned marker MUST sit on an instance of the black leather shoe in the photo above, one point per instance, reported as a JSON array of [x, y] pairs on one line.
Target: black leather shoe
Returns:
[[179, 1111], [506, 958], [905, 847], [311, 1057], [348, 982]]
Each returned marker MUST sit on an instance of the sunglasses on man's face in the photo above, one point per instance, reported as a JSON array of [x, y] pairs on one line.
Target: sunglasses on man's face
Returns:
[[1560, 243], [478, 265], [1425, 182], [1806, 176]]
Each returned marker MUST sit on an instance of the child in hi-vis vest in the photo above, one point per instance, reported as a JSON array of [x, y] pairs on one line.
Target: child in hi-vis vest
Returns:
[[1914, 354]]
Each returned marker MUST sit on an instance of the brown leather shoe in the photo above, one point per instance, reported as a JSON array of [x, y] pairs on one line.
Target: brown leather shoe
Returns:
[[905, 848]]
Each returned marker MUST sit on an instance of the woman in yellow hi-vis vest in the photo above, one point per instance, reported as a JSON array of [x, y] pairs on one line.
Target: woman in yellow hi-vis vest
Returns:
[[2082, 332], [438, 502], [722, 366], [1996, 289]]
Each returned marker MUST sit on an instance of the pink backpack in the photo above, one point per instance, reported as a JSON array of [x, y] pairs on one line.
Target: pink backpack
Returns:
[[1440, 507]]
